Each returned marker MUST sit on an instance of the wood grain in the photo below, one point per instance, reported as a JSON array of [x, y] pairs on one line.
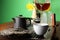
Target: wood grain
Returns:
[[6, 25]]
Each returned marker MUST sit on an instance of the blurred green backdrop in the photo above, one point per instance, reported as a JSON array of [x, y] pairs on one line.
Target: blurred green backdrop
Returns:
[[13, 8]]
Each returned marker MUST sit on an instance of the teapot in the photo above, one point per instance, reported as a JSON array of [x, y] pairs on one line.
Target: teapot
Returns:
[[21, 21]]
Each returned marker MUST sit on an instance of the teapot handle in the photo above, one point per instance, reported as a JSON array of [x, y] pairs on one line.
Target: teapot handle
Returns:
[[28, 20]]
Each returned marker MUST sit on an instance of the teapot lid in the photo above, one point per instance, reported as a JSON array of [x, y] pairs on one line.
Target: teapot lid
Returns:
[[20, 16]]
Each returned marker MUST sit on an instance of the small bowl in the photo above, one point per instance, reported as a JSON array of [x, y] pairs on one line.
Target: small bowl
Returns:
[[40, 29]]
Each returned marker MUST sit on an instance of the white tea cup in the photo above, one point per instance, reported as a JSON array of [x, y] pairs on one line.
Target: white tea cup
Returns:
[[40, 28]]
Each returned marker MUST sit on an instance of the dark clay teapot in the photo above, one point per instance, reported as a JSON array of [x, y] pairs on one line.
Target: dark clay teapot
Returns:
[[21, 21]]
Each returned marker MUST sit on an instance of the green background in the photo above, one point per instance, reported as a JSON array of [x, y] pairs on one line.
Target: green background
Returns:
[[12, 8]]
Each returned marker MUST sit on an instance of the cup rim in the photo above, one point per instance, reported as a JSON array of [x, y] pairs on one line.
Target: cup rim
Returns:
[[41, 24]]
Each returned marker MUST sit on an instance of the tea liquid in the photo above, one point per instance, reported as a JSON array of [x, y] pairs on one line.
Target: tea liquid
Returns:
[[42, 7]]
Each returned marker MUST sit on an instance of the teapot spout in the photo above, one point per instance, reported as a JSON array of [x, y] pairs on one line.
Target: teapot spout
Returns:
[[13, 19]]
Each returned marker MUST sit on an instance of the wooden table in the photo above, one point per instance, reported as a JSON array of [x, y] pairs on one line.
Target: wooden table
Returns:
[[11, 31]]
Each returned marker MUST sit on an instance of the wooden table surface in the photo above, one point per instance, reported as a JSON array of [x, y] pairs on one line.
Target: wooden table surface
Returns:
[[6, 26]]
